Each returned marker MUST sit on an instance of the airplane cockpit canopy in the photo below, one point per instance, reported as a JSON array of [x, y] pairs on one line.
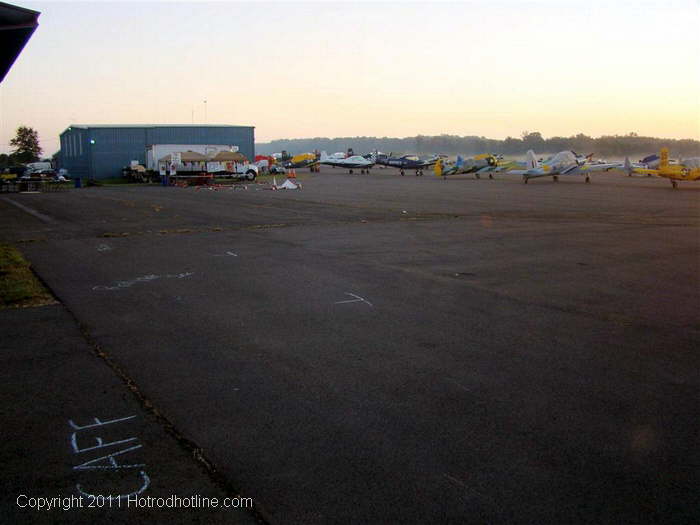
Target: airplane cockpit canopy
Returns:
[[563, 158]]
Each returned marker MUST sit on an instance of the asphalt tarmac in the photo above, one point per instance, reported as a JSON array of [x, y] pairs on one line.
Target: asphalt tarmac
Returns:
[[385, 349], [79, 447]]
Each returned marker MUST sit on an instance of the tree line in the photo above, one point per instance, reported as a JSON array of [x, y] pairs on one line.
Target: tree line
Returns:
[[605, 146]]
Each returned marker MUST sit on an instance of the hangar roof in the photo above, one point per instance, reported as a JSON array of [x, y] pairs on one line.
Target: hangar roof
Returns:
[[16, 27], [108, 126]]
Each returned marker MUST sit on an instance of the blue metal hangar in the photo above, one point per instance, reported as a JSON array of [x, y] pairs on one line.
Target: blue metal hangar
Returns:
[[101, 151]]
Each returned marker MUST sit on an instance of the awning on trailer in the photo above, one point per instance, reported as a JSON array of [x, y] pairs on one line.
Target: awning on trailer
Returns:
[[16, 27], [229, 156], [186, 156]]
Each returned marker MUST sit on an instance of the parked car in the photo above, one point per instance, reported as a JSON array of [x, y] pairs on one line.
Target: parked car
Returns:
[[42, 174]]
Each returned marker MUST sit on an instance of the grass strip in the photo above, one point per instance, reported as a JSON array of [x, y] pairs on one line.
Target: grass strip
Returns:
[[19, 287]]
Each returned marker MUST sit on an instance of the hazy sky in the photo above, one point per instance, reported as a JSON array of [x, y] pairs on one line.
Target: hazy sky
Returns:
[[293, 69]]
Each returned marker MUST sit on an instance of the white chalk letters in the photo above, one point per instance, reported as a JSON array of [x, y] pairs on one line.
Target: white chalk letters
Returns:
[[81, 443]]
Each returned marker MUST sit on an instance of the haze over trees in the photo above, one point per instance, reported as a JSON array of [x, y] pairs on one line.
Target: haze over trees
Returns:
[[613, 146]]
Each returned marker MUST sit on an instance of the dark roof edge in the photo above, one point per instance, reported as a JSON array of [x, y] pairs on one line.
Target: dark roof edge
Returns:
[[151, 126], [18, 8]]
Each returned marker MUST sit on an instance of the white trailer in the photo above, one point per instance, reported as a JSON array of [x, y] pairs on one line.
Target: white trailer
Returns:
[[155, 152], [221, 159], [37, 167]]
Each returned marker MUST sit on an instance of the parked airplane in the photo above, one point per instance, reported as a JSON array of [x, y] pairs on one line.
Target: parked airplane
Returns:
[[688, 169], [563, 163], [648, 162], [303, 160], [407, 162], [485, 163], [351, 163]]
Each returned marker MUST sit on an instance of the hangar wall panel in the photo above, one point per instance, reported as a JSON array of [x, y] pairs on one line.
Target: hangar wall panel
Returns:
[[101, 151]]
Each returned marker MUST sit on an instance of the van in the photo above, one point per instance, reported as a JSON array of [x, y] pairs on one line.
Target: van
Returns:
[[37, 167]]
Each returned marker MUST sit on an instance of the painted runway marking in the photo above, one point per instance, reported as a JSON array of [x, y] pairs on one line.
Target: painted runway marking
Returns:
[[357, 299], [143, 279], [227, 254], [30, 211]]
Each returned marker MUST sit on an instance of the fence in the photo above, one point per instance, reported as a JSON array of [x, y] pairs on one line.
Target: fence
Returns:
[[40, 186]]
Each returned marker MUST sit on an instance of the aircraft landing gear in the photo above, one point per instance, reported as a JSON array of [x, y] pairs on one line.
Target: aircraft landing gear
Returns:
[[402, 173], [419, 173], [555, 178], [350, 172], [674, 184], [525, 179], [477, 175], [588, 179], [491, 176]]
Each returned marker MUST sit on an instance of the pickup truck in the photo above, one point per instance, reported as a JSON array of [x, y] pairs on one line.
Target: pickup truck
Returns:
[[230, 169]]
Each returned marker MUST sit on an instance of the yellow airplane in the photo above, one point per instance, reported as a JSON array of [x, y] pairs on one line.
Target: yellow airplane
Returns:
[[675, 172], [303, 160]]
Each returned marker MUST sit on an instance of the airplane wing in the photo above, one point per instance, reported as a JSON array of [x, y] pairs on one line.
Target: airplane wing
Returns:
[[645, 171], [540, 172], [602, 167]]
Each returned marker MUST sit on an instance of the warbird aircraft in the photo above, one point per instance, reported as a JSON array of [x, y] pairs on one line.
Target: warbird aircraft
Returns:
[[407, 162], [303, 160], [485, 163], [688, 169], [351, 163], [563, 163], [650, 162]]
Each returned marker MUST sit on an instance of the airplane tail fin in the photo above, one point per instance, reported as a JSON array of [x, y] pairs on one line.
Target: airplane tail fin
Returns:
[[324, 156], [628, 166], [530, 160], [663, 162], [460, 161]]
